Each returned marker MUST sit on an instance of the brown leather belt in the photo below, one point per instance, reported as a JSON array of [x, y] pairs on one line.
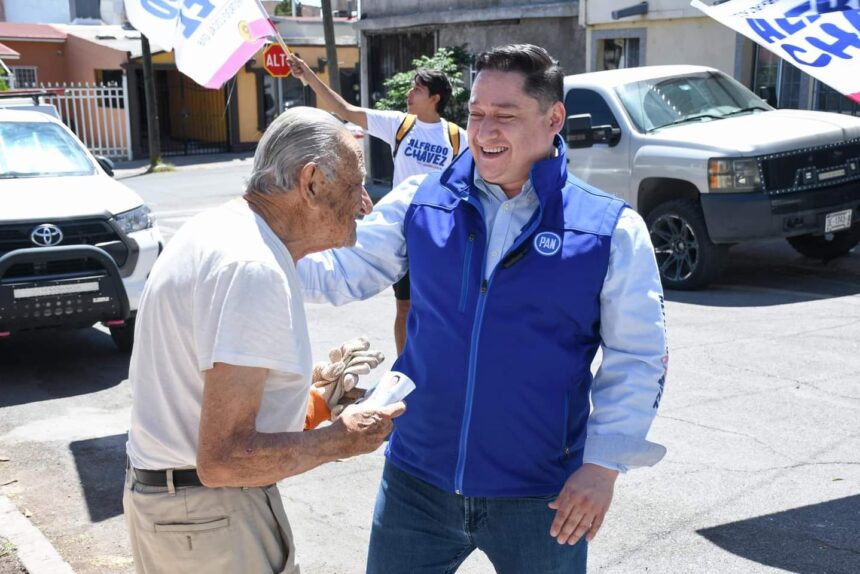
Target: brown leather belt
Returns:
[[181, 478]]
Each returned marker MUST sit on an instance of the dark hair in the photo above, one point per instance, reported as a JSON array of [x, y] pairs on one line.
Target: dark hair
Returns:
[[544, 78], [437, 84]]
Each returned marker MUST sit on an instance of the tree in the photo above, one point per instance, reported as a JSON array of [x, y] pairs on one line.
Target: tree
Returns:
[[451, 61], [284, 8]]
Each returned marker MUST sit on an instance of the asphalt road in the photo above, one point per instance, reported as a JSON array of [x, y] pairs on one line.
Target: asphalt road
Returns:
[[760, 417]]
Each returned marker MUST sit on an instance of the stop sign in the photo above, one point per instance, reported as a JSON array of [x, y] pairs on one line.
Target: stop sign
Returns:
[[275, 61]]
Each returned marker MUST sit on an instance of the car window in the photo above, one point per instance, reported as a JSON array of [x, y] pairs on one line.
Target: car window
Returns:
[[581, 101], [662, 102], [37, 149]]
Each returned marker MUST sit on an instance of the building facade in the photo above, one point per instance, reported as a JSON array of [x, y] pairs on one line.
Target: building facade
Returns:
[[627, 33]]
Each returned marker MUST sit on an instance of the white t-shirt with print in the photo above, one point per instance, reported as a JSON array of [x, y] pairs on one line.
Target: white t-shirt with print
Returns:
[[425, 148], [224, 290]]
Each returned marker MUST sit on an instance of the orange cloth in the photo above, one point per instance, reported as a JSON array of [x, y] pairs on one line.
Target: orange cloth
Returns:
[[318, 410]]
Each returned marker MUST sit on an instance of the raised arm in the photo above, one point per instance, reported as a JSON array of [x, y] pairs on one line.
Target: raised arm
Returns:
[[330, 100]]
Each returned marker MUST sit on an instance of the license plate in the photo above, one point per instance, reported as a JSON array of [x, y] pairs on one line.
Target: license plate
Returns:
[[837, 220], [50, 290]]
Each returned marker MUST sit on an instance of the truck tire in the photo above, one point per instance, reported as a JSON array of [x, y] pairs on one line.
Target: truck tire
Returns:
[[123, 336], [828, 246], [686, 257]]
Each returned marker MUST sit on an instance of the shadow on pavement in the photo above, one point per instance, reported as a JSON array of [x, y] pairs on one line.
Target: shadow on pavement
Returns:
[[101, 469], [43, 365], [807, 540], [771, 273]]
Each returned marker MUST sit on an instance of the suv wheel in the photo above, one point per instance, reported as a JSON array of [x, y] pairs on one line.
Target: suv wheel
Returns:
[[828, 246], [685, 254], [123, 336]]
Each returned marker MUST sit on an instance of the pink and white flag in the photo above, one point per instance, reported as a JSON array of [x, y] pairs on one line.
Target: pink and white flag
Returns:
[[821, 37], [211, 39]]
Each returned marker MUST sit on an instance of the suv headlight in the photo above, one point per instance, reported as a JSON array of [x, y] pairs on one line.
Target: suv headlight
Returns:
[[727, 175], [135, 220]]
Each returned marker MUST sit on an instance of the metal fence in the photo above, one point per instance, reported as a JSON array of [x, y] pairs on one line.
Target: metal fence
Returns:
[[97, 113]]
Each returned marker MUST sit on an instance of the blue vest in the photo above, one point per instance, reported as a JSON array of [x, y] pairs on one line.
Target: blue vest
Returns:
[[502, 366]]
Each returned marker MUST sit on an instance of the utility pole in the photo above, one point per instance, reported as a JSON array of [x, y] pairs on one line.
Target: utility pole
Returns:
[[330, 47], [151, 105]]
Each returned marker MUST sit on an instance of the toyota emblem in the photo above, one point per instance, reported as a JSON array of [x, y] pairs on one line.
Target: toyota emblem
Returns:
[[46, 235]]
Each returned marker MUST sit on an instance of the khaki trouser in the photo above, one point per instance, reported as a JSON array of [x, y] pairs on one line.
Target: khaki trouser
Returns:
[[213, 530]]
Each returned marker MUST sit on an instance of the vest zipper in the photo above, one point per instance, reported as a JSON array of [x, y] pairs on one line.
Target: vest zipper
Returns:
[[565, 446], [473, 356], [467, 265]]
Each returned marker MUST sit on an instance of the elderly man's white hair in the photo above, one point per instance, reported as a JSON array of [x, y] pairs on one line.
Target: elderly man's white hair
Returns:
[[297, 137]]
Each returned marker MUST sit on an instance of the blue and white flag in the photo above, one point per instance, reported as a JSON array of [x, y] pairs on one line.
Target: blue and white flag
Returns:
[[821, 37], [211, 39]]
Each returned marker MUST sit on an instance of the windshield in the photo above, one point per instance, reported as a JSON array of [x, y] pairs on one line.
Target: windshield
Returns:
[[706, 96], [36, 149]]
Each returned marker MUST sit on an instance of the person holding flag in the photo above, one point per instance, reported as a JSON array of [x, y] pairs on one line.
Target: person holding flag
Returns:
[[421, 140]]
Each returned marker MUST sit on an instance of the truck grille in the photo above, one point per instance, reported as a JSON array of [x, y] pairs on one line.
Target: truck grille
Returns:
[[811, 168], [80, 232]]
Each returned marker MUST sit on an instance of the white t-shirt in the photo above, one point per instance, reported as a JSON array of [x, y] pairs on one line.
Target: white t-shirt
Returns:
[[224, 290], [425, 148]]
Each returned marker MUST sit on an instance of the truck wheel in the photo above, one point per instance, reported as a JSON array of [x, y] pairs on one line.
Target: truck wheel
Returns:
[[828, 246], [123, 336], [685, 254]]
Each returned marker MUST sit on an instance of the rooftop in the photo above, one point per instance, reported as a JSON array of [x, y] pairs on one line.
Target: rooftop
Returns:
[[27, 32]]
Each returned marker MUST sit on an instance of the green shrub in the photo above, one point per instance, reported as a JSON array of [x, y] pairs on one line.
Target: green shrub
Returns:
[[451, 61]]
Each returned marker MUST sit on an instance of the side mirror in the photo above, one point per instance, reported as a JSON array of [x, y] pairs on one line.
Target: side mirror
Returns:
[[106, 164], [579, 133], [768, 94]]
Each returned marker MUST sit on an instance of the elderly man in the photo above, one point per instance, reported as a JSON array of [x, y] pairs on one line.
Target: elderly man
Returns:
[[221, 367], [520, 273]]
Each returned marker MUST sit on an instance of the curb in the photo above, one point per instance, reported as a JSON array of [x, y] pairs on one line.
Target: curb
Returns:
[[34, 550]]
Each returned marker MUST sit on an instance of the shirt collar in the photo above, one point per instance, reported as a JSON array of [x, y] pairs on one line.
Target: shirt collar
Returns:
[[495, 192]]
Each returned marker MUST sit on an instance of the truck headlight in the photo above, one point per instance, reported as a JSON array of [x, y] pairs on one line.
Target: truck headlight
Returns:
[[733, 175], [135, 220]]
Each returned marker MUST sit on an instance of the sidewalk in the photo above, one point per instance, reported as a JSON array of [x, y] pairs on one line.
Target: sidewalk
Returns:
[[34, 551], [125, 169]]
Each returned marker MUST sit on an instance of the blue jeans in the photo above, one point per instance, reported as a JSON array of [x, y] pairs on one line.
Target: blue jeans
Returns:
[[420, 529]]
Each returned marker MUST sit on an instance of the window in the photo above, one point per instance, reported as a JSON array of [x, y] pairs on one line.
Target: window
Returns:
[[580, 101], [111, 89], [25, 76], [616, 53], [84, 9], [829, 100], [29, 149]]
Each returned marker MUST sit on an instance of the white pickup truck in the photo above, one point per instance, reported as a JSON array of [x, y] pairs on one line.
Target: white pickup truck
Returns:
[[709, 164]]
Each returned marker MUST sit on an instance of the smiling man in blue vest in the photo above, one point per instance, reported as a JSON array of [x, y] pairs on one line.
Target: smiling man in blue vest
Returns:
[[520, 273]]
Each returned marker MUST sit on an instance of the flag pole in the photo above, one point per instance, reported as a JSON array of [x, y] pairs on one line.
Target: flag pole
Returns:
[[285, 48]]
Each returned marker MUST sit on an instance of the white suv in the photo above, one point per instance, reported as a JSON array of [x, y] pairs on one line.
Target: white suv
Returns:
[[75, 246]]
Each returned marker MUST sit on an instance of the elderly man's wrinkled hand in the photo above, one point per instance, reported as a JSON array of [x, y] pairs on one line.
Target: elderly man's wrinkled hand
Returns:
[[582, 504], [364, 429]]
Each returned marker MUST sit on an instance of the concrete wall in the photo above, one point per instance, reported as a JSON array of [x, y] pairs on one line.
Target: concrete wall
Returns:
[[600, 11], [701, 41], [48, 57], [562, 38], [377, 8], [41, 11], [83, 58]]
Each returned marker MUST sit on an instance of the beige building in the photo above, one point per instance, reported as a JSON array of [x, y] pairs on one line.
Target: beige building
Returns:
[[630, 33]]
